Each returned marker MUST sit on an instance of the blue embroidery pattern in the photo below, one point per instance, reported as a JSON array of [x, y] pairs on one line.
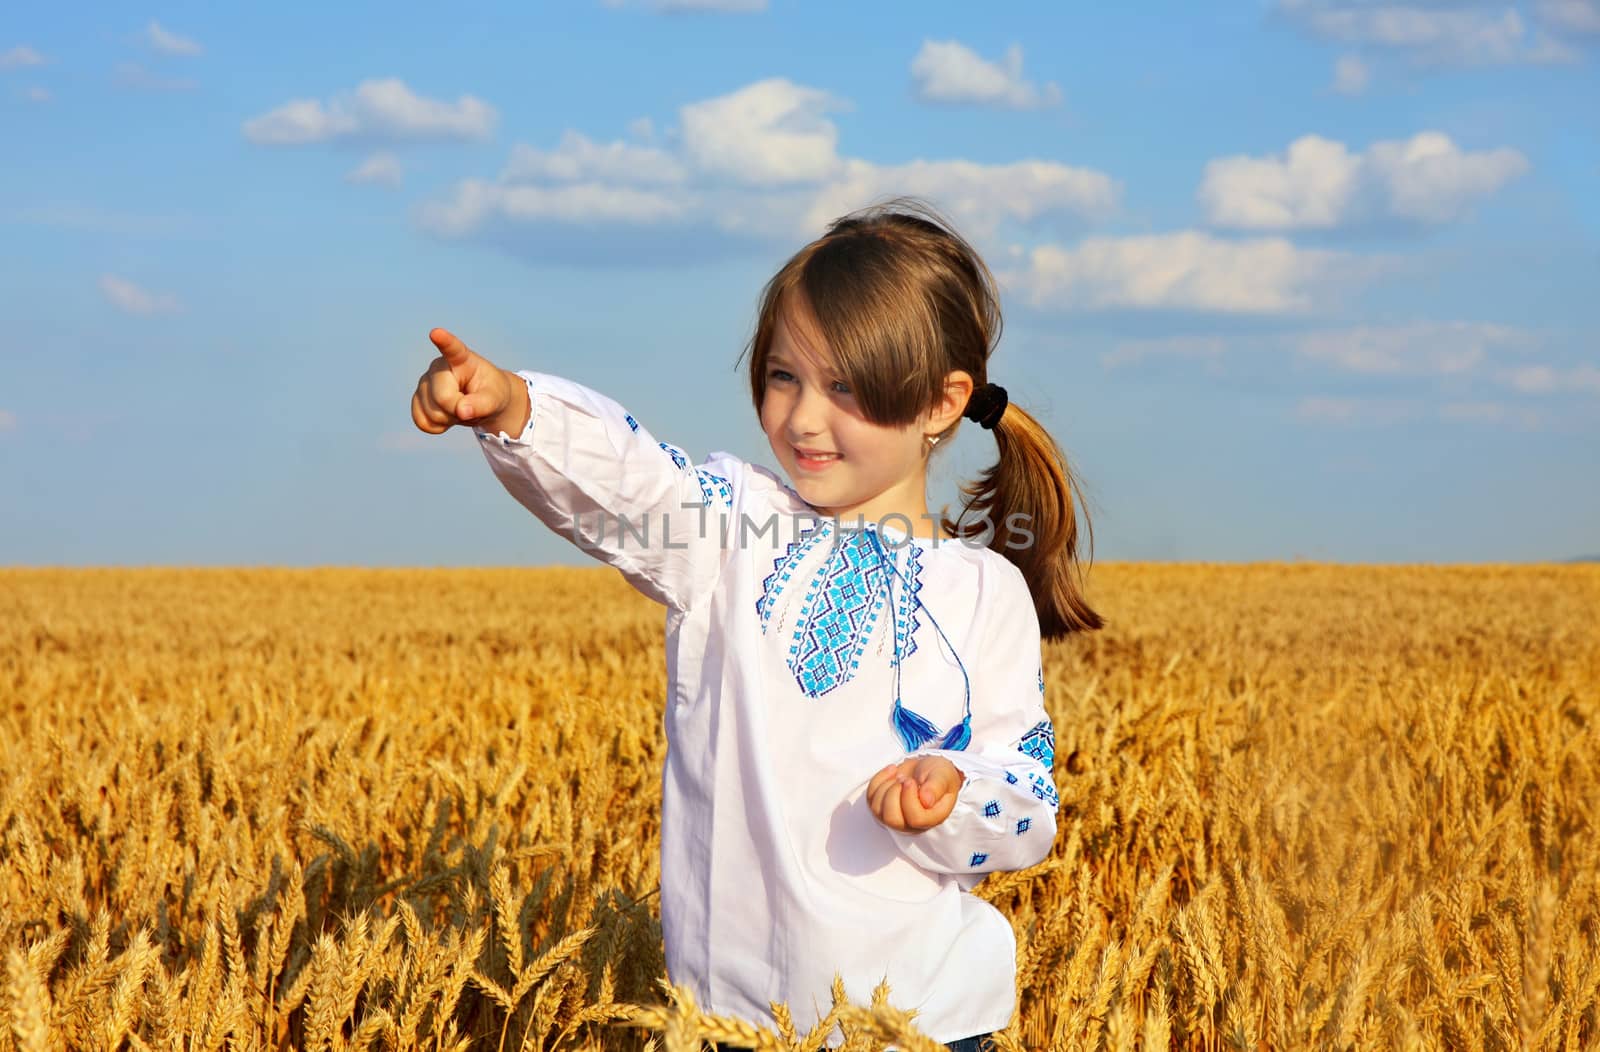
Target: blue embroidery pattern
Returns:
[[784, 568], [1040, 743], [841, 606], [1041, 679], [633, 425], [715, 488], [1023, 824], [1042, 788], [978, 858], [676, 454], [837, 615], [991, 808], [1011, 779], [906, 606]]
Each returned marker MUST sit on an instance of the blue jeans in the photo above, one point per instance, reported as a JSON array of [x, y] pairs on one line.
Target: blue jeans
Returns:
[[980, 1043]]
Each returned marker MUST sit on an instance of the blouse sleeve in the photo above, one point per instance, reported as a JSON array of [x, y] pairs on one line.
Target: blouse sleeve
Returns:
[[1005, 813], [593, 474]]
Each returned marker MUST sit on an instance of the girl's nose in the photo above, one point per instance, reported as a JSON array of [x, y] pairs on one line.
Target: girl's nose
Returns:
[[807, 413]]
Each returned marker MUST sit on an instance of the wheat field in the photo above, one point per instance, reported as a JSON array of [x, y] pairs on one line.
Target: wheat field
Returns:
[[1303, 806]]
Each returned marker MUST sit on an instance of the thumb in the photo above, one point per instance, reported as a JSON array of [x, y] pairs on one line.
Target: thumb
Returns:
[[455, 352], [483, 395], [935, 786]]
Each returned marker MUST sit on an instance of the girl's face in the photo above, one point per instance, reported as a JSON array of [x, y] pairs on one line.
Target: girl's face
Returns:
[[807, 408]]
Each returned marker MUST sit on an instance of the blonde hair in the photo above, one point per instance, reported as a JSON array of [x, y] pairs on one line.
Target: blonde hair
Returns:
[[903, 300]]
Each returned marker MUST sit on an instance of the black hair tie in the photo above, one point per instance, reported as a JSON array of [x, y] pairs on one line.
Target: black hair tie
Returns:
[[986, 406]]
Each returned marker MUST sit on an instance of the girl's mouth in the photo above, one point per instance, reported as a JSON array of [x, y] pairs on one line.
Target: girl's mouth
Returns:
[[816, 463]]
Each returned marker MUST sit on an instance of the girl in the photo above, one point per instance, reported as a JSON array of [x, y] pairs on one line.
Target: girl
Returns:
[[855, 721]]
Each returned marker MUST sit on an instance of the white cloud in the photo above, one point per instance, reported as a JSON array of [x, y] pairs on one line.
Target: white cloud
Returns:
[[132, 299], [132, 75], [976, 196], [1545, 379], [1427, 348], [381, 168], [577, 157], [8, 420], [1421, 348], [169, 43], [1315, 186], [1573, 16], [478, 203], [380, 110], [760, 162], [36, 94], [948, 71], [1429, 178], [1439, 34], [1182, 270], [1319, 184], [767, 133], [1351, 75], [642, 128], [21, 56]]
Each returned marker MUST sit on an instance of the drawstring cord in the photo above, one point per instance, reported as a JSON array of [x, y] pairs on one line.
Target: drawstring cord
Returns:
[[914, 729]]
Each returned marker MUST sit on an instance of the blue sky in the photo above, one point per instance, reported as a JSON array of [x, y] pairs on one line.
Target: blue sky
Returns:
[[1301, 279]]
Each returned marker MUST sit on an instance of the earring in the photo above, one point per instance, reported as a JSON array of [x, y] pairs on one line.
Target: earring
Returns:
[[933, 440]]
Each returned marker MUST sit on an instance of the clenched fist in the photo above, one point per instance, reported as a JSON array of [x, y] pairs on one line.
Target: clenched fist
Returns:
[[915, 794], [461, 387]]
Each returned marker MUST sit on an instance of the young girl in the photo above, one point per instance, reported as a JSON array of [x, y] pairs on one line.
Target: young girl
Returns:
[[855, 720]]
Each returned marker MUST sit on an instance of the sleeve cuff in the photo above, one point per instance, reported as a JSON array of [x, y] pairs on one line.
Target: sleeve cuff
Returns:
[[999, 822], [959, 844]]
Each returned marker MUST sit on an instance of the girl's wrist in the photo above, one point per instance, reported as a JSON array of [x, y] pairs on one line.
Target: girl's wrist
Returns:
[[513, 419]]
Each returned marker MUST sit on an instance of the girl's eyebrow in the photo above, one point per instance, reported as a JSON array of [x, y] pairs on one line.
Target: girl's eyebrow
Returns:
[[774, 358]]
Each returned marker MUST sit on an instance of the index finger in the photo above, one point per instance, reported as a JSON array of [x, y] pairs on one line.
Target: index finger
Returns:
[[455, 352], [878, 779]]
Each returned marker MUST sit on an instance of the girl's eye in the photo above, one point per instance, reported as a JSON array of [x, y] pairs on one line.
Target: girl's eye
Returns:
[[783, 375]]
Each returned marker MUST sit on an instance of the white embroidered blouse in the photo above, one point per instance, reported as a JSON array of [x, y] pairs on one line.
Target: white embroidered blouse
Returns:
[[786, 635]]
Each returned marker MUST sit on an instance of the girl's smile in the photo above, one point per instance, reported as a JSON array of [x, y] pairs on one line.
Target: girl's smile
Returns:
[[815, 462]]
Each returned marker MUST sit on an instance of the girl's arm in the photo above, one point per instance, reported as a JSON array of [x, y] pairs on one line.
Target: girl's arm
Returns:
[[591, 472], [1004, 816]]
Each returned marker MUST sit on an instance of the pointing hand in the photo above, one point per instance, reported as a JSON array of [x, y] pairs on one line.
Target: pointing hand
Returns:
[[915, 794], [461, 387]]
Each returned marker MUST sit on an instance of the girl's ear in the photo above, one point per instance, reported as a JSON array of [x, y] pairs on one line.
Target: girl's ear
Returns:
[[957, 393]]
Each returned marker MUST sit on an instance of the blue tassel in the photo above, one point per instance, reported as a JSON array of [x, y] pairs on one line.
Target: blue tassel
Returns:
[[914, 730], [960, 735]]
